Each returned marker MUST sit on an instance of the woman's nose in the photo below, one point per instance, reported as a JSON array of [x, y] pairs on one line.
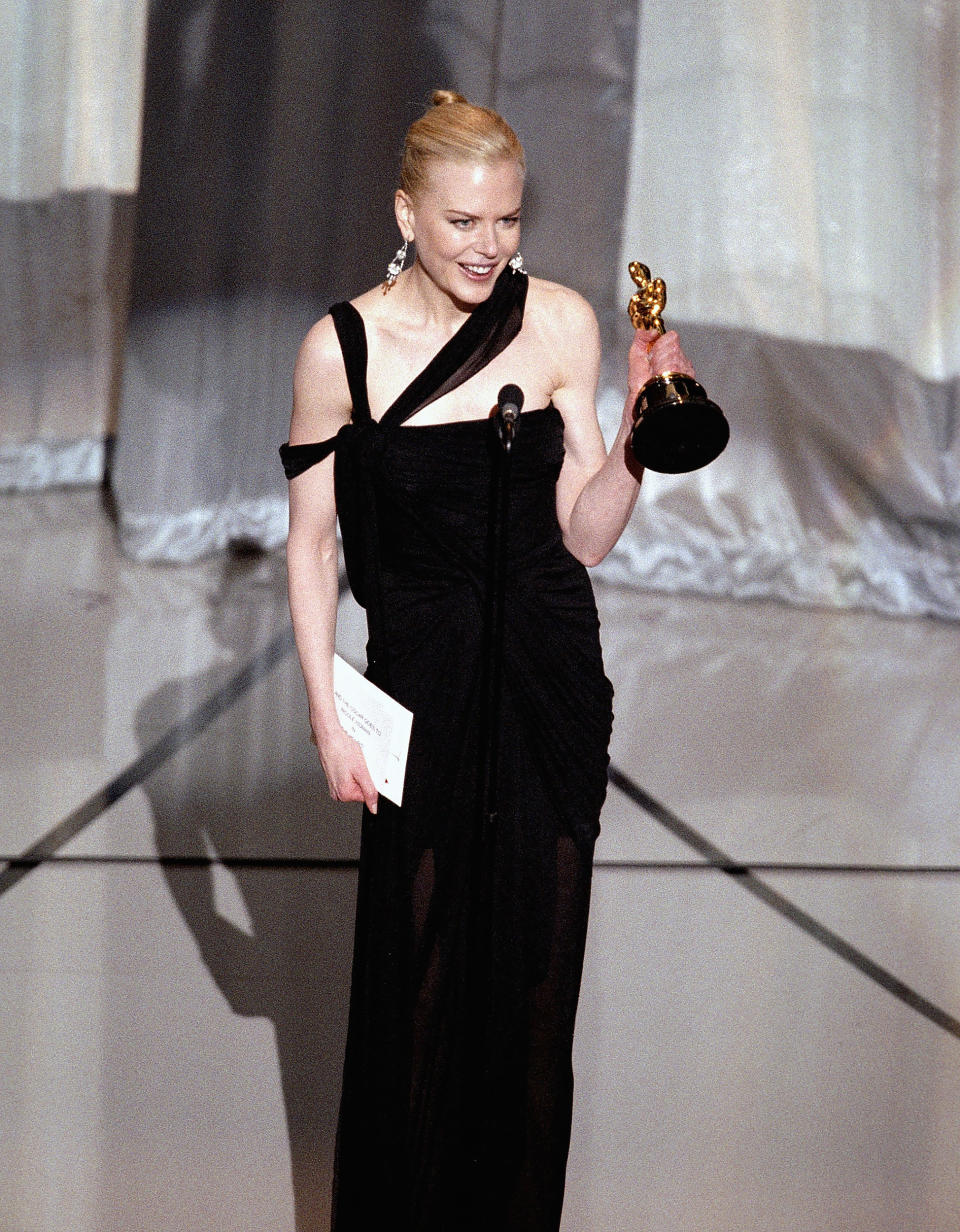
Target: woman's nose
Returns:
[[486, 241]]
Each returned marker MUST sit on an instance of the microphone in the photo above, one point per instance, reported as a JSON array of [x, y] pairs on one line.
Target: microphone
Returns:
[[509, 404]]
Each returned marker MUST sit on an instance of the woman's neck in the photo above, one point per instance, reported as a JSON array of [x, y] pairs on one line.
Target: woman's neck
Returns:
[[433, 307]]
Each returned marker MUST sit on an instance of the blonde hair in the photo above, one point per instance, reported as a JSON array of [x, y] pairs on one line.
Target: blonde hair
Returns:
[[453, 129]]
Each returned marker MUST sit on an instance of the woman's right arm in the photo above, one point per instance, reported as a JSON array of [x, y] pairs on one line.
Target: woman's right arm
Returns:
[[321, 406]]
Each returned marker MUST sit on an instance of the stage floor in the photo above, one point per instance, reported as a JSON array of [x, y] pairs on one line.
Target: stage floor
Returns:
[[769, 1033]]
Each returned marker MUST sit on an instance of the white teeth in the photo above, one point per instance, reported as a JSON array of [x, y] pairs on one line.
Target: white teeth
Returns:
[[478, 269]]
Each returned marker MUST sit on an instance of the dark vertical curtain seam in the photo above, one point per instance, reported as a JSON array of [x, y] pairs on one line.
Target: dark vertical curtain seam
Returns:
[[496, 46]]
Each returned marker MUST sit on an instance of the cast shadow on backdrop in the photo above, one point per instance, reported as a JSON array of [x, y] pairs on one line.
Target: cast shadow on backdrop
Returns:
[[270, 152], [250, 786]]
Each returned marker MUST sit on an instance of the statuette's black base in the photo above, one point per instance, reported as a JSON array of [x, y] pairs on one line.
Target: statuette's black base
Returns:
[[676, 427]]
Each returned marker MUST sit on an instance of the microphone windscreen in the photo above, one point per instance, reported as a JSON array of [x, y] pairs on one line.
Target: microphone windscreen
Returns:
[[510, 395]]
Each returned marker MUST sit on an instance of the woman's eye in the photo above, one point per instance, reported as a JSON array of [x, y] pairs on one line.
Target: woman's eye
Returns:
[[511, 221], [462, 223]]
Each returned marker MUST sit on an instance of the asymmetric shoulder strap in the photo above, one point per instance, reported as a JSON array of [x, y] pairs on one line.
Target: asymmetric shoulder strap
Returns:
[[353, 343], [485, 333]]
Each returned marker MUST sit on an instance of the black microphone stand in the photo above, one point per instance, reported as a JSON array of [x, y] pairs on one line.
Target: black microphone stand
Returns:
[[486, 839], [492, 645]]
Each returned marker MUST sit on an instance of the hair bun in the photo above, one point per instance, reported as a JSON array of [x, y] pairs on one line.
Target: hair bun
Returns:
[[462, 133], [439, 97]]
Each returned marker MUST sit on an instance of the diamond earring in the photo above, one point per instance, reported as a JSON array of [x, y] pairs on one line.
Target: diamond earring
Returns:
[[395, 268], [516, 264]]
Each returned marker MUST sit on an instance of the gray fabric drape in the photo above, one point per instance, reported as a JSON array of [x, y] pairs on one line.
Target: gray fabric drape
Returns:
[[71, 80], [796, 185], [62, 316], [834, 491]]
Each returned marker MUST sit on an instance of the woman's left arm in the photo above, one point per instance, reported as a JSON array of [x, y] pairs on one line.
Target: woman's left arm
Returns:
[[596, 491]]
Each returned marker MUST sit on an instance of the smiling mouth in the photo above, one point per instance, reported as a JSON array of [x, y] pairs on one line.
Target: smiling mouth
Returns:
[[478, 271]]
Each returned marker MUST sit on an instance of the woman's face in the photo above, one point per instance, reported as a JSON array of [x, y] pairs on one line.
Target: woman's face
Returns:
[[466, 225]]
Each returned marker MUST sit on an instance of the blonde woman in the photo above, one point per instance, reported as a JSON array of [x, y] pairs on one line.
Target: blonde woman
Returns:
[[471, 922]]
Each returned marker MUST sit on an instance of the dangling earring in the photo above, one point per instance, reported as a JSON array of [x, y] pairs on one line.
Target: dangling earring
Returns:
[[395, 268], [516, 264]]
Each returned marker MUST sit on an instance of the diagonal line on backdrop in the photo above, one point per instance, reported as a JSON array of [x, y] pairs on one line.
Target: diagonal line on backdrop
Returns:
[[170, 743], [782, 866], [46, 848], [602, 865], [747, 880]]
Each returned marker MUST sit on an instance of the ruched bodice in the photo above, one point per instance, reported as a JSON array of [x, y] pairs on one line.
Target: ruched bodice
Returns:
[[433, 489], [436, 479]]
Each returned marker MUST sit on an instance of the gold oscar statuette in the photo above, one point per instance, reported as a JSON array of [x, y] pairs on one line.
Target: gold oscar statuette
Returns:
[[676, 428]]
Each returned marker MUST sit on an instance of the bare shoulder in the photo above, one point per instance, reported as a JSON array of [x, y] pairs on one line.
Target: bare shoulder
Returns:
[[560, 309], [566, 326], [320, 353], [321, 395]]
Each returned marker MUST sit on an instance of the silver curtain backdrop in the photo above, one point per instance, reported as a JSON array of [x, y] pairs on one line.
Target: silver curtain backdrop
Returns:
[[789, 168], [71, 81]]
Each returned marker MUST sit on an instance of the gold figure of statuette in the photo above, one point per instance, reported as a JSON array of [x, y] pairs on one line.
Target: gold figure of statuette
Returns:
[[647, 304]]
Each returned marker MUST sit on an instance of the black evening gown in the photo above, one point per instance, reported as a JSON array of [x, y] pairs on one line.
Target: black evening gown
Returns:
[[458, 1084]]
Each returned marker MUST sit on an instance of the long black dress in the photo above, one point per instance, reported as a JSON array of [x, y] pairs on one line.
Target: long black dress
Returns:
[[470, 930]]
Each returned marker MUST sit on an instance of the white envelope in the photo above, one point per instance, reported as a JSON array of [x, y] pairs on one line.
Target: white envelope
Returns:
[[380, 725]]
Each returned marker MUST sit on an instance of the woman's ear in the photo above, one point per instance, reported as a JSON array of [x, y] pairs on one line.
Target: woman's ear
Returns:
[[403, 208]]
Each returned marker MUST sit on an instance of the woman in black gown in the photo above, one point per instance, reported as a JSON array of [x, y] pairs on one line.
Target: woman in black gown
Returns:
[[472, 907]]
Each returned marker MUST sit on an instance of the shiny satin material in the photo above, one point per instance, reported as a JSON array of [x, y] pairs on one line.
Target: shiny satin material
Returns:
[[840, 486], [72, 85], [789, 171], [51, 464]]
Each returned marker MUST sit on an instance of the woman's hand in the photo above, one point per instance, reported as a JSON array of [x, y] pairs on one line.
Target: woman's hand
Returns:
[[346, 768], [653, 353]]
